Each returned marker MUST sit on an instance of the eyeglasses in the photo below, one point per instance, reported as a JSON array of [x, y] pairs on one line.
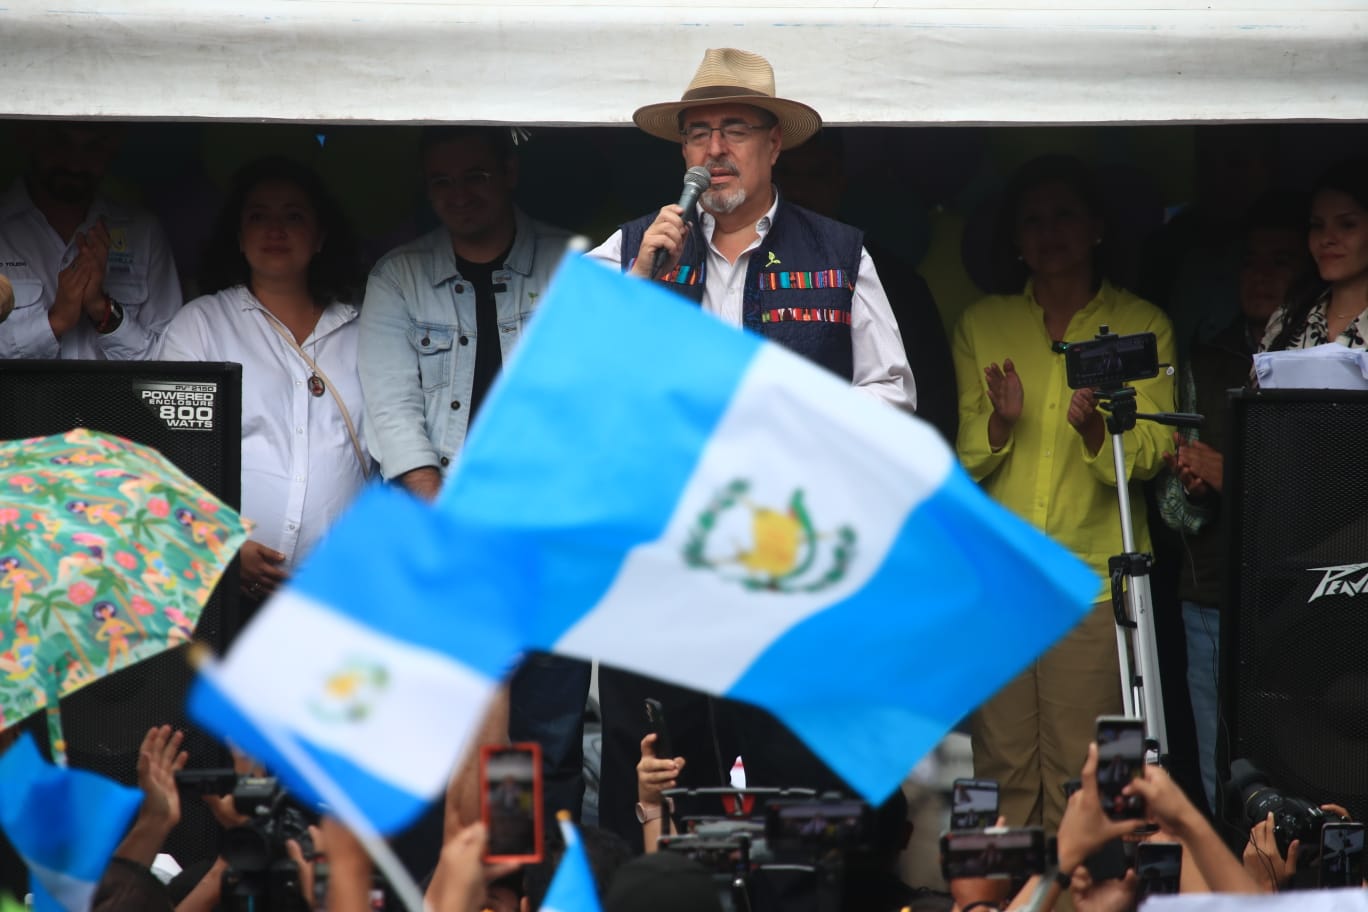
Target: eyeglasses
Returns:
[[471, 180], [735, 134]]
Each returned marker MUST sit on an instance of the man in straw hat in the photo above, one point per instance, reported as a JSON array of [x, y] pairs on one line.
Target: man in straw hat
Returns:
[[795, 277], [798, 278]]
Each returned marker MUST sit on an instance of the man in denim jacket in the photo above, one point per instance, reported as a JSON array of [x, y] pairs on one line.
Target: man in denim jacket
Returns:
[[440, 315], [442, 312]]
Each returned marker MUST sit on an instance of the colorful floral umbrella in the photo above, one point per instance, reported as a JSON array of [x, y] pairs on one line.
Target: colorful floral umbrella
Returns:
[[108, 553]]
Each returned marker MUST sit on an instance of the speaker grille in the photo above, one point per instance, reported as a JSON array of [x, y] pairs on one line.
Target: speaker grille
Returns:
[[1295, 651], [104, 723]]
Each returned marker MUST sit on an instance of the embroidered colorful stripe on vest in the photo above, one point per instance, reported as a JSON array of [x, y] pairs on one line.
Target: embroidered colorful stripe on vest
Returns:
[[824, 278], [805, 315]]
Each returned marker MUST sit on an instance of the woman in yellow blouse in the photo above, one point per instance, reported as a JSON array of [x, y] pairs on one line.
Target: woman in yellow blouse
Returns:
[[1042, 450]]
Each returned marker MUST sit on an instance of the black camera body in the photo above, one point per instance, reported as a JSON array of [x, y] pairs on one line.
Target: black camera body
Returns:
[[1294, 819], [261, 874]]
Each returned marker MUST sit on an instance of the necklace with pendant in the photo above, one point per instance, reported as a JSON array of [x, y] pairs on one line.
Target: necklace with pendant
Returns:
[[316, 386]]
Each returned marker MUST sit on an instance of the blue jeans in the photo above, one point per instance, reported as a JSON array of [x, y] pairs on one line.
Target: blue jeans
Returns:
[[1203, 626], [546, 705]]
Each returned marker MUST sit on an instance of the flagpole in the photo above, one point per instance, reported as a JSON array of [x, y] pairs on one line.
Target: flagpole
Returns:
[[342, 806]]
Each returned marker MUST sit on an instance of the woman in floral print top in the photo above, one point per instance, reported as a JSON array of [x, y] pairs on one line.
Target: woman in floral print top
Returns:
[[1333, 307]]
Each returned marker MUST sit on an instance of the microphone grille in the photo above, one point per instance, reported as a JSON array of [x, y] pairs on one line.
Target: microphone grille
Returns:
[[698, 176]]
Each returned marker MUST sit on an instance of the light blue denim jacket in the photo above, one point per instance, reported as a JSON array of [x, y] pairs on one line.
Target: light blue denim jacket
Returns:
[[418, 338]]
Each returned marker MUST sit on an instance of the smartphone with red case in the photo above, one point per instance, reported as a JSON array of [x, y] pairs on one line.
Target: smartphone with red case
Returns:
[[511, 801]]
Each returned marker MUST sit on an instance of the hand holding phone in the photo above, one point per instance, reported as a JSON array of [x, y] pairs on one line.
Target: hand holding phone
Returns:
[[1120, 760], [511, 802]]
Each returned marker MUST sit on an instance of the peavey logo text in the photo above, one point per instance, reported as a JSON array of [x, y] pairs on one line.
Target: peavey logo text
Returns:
[[1337, 581], [181, 406]]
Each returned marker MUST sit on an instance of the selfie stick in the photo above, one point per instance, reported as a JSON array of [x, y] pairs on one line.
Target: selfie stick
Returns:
[[1141, 691]]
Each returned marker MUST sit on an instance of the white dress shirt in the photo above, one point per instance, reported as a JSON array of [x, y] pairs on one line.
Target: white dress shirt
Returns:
[[299, 469], [140, 274], [880, 362]]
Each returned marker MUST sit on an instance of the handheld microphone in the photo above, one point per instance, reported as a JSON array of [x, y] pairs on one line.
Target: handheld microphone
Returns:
[[696, 180]]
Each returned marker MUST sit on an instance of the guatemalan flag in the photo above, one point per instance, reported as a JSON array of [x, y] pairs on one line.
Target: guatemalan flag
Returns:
[[64, 823], [644, 476], [695, 504], [572, 888], [376, 663]]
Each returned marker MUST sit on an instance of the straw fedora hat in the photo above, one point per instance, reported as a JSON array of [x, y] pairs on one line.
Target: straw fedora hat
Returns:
[[729, 76]]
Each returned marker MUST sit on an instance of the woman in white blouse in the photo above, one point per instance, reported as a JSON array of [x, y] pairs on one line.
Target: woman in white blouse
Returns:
[[282, 273], [1334, 306]]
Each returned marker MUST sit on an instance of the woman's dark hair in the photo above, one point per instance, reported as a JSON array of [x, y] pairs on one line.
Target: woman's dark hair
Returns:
[[1350, 178], [1009, 272], [334, 272]]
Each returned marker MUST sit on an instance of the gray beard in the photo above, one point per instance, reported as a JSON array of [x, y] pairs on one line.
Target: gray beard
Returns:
[[722, 202]]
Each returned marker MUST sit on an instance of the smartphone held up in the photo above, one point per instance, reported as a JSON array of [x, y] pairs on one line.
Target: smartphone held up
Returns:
[[1120, 760], [511, 802], [974, 804]]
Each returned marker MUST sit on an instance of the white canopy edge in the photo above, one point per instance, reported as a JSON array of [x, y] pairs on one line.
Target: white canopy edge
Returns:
[[886, 62]]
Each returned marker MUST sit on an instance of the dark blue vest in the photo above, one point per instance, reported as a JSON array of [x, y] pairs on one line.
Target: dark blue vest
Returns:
[[799, 283]]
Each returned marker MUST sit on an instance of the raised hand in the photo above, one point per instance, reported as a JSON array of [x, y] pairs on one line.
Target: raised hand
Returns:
[[655, 774], [159, 759], [1268, 866], [1085, 827], [1004, 391]]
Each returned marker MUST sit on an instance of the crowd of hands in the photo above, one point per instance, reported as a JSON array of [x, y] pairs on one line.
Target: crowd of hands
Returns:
[[461, 881], [1209, 866]]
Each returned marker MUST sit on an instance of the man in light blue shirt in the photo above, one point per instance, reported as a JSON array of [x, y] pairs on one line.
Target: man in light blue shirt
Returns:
[[440, 315]]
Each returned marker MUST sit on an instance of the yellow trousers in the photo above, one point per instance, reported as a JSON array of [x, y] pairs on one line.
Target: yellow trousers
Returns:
[[1033, 735]]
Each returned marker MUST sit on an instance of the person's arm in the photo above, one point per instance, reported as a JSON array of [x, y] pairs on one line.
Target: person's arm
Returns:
[[654, 775], [979, 422], [395, 408], [136, 336], [1116, 894], [159, 758], [1266, 865], [1148, 441], [27, 332], [1085, 827], [452, 880], [1027, 893], [1184, 505], [1171, 809], [879, 362], [205, 895], [349, 869]]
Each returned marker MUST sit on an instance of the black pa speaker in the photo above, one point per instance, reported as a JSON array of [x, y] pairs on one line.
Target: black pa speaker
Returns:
[[192, 414], [1294, 633]]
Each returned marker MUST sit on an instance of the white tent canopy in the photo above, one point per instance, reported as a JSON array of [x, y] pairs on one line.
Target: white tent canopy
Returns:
[[567, 62]]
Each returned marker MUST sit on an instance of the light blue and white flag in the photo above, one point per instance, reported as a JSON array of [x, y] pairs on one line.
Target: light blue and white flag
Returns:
[[64, 823], [642, 473], [775, 536], [378, 661], [572, 888]]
